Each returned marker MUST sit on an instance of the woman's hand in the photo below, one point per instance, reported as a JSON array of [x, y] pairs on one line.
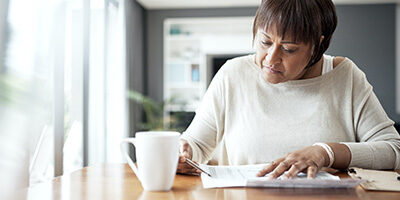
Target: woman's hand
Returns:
[[310, 159], [185, 151]]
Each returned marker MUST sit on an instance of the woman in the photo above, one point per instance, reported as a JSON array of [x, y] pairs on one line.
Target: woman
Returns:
[[290, 105]]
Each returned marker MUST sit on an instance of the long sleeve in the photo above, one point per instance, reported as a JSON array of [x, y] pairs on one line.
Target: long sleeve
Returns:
[[377, 143], [207, 127]]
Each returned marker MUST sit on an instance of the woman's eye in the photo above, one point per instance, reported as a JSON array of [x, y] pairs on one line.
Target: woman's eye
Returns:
[[288, 50], [266, 43]]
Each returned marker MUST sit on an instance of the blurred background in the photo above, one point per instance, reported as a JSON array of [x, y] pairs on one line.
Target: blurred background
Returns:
[[77, 76]]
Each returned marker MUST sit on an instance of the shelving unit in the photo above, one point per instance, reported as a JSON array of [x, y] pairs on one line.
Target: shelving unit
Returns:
[[187, 42]]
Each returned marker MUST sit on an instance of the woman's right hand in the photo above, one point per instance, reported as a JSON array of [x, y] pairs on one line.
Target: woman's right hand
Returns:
[[185, 151]]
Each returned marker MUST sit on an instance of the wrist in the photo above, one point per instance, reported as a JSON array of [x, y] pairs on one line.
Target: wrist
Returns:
[[328, 154]]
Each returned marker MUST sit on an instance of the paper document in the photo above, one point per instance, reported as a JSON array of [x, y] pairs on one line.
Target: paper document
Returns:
[[377, 179], [245, 176]]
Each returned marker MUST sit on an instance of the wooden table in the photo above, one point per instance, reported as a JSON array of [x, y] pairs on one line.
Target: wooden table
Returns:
[[117, 181]]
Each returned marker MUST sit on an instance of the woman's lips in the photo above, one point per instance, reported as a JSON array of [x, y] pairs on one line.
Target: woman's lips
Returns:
[[270, 70]]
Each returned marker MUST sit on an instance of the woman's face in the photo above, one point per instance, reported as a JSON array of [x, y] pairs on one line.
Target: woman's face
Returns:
[[281, 60]]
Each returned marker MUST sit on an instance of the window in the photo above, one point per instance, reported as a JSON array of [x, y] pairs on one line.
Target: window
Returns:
[[62, 86]]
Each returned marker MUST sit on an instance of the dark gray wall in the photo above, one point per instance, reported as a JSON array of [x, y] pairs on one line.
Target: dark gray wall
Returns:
[[135, 46], [365, 34]]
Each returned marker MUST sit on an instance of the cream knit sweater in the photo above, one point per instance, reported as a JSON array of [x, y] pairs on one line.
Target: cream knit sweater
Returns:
[[253, 121]]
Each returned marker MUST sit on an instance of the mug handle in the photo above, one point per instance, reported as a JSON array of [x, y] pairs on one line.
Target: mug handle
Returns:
[[128, 158]]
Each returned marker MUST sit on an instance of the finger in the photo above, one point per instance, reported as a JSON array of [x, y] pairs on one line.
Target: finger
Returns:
[[183, 156], [294, 170], [185, 168], [311, 171], [269, 167], [278, 171], [190, 170], [188, 173], [184, 165], [191, 174], [193, 168], [182, 159]]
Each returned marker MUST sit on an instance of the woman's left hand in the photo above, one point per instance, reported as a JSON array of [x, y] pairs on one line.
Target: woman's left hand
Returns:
[[310, 159]]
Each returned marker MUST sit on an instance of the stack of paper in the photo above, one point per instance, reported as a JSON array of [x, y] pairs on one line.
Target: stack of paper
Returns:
[[245, 176]]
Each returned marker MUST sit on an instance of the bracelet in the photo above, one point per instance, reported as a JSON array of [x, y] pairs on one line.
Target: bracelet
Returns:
[[329, 151]]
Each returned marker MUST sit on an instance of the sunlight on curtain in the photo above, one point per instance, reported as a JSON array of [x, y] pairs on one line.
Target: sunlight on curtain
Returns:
[[107, 83], [41, 41], [26, 90], [117, 104], [73, 86]]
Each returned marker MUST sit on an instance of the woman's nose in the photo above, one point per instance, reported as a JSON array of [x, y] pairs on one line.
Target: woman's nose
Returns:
[[273, 57]]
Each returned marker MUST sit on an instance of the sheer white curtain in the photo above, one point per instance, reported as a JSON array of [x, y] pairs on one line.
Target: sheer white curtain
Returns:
[[116, 102], [102, 36], [26, 89], [107, 86], [43, 44]]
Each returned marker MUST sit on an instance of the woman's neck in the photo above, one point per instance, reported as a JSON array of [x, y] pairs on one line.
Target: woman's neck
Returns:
[[313, 71]]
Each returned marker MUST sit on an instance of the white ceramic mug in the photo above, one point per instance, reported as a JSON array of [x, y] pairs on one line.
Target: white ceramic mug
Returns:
[[157, 154]]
